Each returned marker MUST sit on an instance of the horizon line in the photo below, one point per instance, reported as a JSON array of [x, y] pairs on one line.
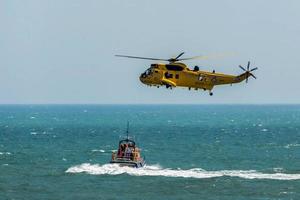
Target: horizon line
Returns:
[[143, 104]]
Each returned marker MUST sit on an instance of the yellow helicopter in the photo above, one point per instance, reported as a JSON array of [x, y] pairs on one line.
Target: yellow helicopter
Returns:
[[177, 74]]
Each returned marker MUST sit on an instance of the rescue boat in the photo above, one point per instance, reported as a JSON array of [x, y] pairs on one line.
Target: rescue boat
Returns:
[[128, 153]]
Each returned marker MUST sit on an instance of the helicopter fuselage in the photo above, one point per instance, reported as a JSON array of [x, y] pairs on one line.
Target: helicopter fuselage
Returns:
[[179, 75]]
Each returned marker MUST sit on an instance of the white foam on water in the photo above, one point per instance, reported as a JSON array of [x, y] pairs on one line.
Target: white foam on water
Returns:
[[291, 145], [156, 170], [98, 150], [39, 133], [5, 153]]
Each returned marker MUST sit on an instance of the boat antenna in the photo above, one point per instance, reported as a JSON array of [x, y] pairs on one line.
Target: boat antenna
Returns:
[[127, 131]]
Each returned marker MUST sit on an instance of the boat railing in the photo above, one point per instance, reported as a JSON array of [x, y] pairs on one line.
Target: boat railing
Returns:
[[126, 158]]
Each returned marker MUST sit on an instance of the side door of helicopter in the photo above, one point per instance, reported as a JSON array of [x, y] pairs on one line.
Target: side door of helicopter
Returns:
[[173, 72]]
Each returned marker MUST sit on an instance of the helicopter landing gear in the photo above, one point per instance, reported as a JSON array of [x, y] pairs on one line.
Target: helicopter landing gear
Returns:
[[168, 86], [189, 88], [210, 93]]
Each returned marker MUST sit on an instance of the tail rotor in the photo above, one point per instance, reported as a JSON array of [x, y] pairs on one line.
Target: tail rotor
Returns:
[[248, 71]]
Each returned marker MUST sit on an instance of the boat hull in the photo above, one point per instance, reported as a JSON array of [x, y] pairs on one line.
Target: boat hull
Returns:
[[128, 163]]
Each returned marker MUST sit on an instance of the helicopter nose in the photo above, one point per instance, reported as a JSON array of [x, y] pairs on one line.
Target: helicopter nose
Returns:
[[143, 78]]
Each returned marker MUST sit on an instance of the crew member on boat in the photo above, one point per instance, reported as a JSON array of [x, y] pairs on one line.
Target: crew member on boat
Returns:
[[128, 151]]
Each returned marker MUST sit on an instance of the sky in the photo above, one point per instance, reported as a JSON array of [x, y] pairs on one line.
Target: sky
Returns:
[[62, 52]]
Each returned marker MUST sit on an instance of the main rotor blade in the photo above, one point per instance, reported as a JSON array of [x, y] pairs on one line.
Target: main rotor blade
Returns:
[[179, 55], [145, 58], [242, 68], [195, 57], [212, 56], [253, 69], [248, 65]]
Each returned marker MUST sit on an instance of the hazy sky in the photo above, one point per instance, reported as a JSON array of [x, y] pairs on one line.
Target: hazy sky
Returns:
[[63, 51]]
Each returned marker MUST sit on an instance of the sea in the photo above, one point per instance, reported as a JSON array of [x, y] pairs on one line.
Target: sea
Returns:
[[226, 152]]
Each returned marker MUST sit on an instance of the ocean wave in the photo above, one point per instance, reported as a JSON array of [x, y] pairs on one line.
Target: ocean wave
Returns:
[[156, 170], [278, 169]]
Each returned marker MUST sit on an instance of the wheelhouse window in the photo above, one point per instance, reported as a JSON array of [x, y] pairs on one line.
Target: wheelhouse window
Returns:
[[174, 67], [177, 76]]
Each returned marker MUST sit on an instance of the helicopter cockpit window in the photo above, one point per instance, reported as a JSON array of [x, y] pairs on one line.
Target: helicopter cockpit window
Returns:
[[154, 65], [174, 67], [148, 72]]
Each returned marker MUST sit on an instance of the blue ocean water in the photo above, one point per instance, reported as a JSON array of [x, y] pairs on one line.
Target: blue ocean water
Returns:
[[192, 152]]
